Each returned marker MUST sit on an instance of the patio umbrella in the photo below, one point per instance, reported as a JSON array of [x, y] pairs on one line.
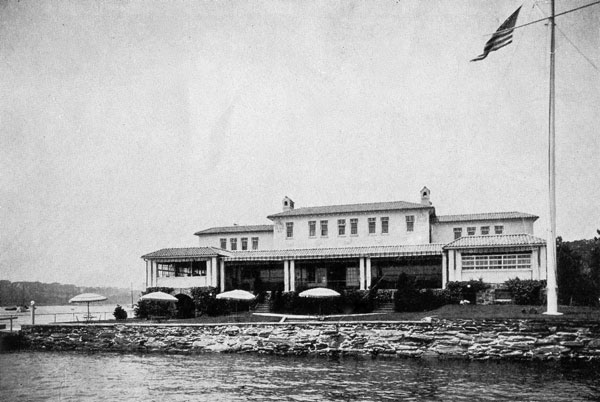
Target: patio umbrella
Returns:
[[319, 293], [159, 296], [236, 295], [87, 298]]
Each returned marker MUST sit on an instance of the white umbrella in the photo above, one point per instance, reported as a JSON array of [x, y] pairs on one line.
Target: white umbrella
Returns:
[[236, 295], [87, 298], [319, 292], [159, 296]]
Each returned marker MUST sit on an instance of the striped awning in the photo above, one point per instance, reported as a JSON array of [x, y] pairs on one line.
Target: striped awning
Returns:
[[340, 252]]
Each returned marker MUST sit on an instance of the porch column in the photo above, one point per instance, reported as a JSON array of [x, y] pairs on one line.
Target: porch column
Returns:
[[458, 263], [146, 273], [292, 275], [368, 272], [222, 276], [215, 272], [209, 273], [286, 276], [361, 273], [543, 263], [152, 273], [444, 267], [451, 267]]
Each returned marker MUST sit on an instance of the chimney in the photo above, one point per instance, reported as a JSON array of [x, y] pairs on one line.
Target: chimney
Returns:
[[425, 196], [288, 204]]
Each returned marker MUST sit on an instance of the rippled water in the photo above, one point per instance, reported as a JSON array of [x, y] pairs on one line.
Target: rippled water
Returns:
[[40, 376]]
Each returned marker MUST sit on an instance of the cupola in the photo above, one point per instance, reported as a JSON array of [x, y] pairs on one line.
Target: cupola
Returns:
[[425, 196], [287, 203]]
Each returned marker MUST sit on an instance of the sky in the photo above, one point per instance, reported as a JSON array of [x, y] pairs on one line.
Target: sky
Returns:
[[127, 126]]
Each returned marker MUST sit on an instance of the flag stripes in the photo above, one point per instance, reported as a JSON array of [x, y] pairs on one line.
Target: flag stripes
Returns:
[[502, 36]]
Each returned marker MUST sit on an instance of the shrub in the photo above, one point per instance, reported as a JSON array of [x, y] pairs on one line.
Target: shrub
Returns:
[[205, 299], [120, 313], [407, 294], [409, 297], [350, 301], [146, 308], [526, 291], [465, 290]]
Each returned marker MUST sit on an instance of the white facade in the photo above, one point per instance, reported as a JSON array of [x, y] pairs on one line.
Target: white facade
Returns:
[[398, 231], [265, 240], [443, 232]]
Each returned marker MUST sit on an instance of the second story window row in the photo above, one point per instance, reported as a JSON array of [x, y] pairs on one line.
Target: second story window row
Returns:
[[233, 243], [484, 231]]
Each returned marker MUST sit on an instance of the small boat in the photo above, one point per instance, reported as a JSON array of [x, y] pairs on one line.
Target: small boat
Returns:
[[18, 309]]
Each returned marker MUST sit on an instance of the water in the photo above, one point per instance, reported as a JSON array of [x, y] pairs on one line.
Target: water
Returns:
[[41, 376], [66, 313]]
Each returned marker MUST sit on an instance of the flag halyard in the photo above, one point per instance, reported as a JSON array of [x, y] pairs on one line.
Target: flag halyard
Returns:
[[502, 37]]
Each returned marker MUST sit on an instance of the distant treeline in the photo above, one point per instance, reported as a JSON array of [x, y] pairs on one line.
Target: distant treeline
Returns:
[[17, 293]]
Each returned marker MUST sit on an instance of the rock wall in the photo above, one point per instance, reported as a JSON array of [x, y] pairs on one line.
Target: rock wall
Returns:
[[472, 339]]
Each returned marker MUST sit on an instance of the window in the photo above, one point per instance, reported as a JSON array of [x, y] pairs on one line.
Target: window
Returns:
[[498, 229], [244, 243], [198, 268], [233, 244], [496, 261], [223, 244], [385, 224], [289, 230], [410, 223], [352, 276], [354, 226], [312, 228], [255, 243], [457, 232], [323, 228], [341, 227], [485, 230], [372, 222], [471, 231]]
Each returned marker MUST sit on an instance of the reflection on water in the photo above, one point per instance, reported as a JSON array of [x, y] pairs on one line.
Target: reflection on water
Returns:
[[35, 376]]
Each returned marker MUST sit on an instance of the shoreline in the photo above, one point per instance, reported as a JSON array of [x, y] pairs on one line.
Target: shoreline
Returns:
[[474, 339]]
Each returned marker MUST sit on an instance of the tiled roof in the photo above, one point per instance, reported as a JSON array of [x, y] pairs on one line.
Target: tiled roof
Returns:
[[236, 229], [351, 208], [340, 252], [489, 216], [187, 252], [495, 241]]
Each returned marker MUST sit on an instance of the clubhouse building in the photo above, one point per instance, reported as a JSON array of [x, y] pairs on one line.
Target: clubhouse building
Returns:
[[355, 246]]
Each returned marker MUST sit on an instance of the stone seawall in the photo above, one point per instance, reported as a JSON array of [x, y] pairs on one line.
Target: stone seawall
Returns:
[[472, 339]]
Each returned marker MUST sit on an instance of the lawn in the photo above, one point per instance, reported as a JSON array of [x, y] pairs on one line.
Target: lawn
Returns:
[[450, 311]]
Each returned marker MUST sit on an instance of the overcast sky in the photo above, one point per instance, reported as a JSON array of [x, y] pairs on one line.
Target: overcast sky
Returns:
[[126, 126]]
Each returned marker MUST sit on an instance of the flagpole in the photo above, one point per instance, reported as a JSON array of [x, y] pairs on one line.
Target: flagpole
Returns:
[[551, 287]]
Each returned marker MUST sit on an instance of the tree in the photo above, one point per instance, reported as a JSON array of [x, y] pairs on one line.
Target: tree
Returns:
[[575, 287], [595, 262]]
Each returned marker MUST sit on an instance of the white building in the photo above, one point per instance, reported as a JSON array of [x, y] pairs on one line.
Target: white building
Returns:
[[355, 246]]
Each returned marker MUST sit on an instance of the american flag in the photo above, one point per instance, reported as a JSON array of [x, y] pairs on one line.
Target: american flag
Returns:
[[502, 36]]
